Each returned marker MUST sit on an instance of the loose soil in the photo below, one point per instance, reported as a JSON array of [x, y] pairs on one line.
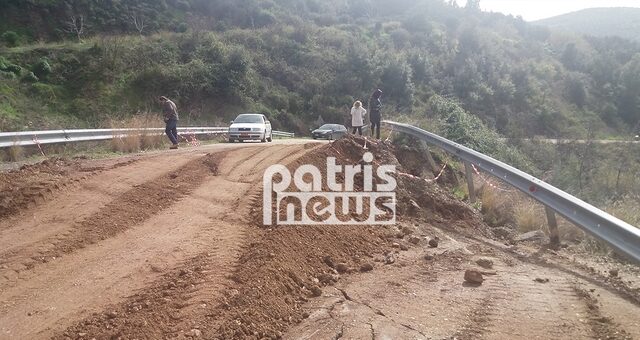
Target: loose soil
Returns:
[[172, 246]]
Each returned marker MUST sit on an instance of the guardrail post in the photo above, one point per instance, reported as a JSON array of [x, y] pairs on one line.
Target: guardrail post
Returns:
[[552, 222], [432, 162], [434, 167], [470, 186]]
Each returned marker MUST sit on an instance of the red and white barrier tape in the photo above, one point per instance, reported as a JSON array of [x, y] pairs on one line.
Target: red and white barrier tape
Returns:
[[487, 182], [389, 137], [35, 140], [424, 179], [193, 141]]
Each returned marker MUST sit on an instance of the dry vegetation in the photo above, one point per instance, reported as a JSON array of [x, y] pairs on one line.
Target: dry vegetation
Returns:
[[15, 153], [515, 210], [139, 137]]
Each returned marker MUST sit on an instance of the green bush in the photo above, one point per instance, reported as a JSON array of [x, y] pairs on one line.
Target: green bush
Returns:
[[461, 127], [7, 75], [30, 78], [15, 69], [10, 38], [182, 27], [42, 68]]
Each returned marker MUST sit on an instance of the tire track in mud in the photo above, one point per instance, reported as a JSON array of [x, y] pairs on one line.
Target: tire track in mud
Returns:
[[227, 169], [92, 279], [36, 230], [131, 208], [249, 173], [515, 306], [179, 303], [35, 184], [174, 306], [603, 327]]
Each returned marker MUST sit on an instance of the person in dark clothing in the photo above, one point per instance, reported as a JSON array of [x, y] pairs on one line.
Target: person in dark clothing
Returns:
[[375, 106], [170, 111]]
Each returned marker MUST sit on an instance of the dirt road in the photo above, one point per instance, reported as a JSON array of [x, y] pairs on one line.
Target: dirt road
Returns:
[[94, 244], [166, 246]]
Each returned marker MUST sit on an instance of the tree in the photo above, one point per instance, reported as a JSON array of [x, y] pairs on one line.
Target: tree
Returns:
[[473, 5], [629, 101], [570, 57], [576, 92], [397, 81], [400, 37], [138, 23], [76, 26], [10, 38]]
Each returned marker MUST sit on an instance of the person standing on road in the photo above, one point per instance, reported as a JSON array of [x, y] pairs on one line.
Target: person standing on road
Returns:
[[170, 111], [375, 106], [357, 117]]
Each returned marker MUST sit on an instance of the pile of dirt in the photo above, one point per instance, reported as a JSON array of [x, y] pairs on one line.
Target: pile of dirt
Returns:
[[35, 182], [286, 266]]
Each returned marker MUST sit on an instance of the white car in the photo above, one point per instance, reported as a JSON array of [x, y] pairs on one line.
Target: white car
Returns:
[[250, 126]]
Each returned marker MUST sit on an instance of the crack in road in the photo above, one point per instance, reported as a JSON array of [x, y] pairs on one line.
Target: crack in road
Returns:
[[373, 331], [340, 333], [411, 328], [349, 298], [376, 311]]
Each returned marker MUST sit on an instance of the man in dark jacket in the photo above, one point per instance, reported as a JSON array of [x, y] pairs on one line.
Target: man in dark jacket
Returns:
[[375, 106], [170, 111]]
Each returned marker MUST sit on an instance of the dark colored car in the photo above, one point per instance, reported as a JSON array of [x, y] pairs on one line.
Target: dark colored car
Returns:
[[329, 131]]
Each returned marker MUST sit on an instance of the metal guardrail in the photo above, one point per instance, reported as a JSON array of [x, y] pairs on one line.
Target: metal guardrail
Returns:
[[283, 134], [27, 138], [615, 232]]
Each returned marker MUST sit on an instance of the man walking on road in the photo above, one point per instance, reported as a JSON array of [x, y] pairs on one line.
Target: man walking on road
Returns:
[[375, 106], [170, 111]]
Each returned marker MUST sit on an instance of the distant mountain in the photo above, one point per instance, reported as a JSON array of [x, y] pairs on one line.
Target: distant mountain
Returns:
[[621, 21]]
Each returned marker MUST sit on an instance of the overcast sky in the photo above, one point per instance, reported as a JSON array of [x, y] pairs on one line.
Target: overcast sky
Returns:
[[539, 9]]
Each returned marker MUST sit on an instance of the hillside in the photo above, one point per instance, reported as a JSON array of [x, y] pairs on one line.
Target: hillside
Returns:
[[297, 60], [600, 22]]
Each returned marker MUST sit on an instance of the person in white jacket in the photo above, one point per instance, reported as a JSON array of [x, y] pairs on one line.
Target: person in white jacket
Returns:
[[357, 117]]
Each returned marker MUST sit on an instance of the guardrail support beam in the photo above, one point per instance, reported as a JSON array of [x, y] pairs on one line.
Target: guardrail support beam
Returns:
[[432, 162], [472, 190], [552, 222]]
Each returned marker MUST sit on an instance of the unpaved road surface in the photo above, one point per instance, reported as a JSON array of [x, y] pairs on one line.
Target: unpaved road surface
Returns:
[[166, 246], [98, 242]]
